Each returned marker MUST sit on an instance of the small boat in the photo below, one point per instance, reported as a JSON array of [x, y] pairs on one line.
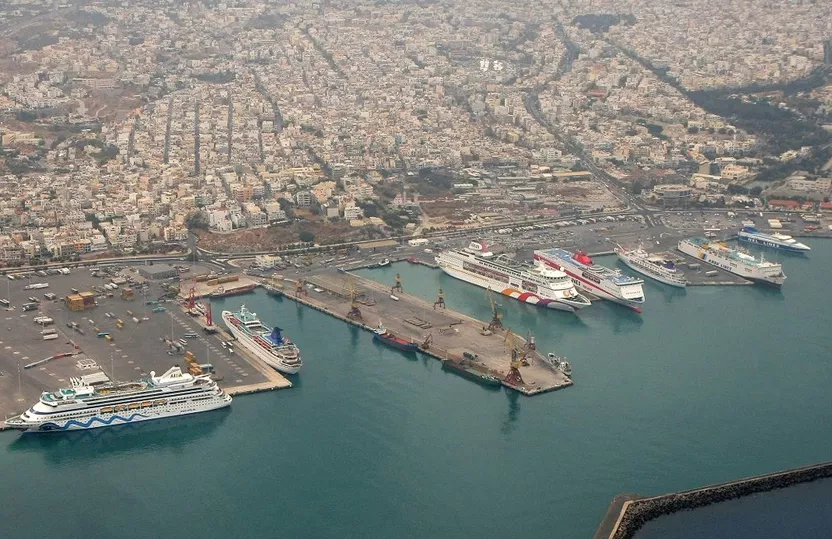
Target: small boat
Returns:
[[384, 262], [383, 335], [558, 363], [394, 298]]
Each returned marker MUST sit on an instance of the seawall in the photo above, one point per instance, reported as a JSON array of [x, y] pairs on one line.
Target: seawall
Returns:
[[634, 513]]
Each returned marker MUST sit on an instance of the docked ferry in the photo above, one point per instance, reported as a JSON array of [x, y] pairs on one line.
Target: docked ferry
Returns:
[[83, 406], [537, 285], [264, 342], [733, 260], [655, 267], [606, 283], [781, 242]]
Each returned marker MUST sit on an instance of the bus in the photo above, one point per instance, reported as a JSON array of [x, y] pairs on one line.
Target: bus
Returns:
[[191, 335]]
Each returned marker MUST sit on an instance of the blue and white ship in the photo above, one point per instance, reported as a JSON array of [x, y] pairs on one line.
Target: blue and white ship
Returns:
[[262, 341], [778, 241], [84, 406]]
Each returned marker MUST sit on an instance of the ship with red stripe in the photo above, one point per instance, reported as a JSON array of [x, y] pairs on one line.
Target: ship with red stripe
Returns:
[[606, 283], [537, 284], [264, 342]]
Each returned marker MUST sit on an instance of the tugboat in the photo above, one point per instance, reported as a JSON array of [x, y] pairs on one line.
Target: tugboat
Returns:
[[385, 336]]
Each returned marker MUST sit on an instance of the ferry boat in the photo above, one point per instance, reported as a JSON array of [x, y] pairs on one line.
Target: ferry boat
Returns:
[[733, 260], [782, 242], [264, 342], [651, 266], [606, 283], [84, 406], [537, 285], [385, 336]]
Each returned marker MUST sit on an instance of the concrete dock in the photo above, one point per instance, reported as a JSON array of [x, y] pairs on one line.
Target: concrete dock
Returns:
[[440, 333]]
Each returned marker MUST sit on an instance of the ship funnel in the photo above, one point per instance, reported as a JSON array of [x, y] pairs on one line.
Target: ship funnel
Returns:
[[276, 336]]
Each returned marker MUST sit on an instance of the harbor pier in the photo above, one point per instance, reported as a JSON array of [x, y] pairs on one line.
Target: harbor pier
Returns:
[[439, 332]]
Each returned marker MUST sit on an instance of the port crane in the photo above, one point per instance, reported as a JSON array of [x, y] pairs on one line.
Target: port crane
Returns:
[[518, 359], [496, 317], [398, 286], [440, 300], [354, 312]]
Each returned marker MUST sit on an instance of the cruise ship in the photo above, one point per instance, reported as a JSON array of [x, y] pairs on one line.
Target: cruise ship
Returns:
[[733, 260], [606, 283], [651, 266], [533, 284], [264, 342], [84, 406], [782, 242]]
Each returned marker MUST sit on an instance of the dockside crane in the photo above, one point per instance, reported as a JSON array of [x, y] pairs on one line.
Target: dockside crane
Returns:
[[440, 300], [496, 317], [398, 286], [518, 359], [354, 312]]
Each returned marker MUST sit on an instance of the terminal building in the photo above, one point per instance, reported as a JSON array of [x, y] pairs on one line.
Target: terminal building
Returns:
[[674, 194], [158, 271]]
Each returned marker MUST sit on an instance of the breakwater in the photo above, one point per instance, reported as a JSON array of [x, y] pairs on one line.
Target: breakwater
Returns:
[[635, 513]]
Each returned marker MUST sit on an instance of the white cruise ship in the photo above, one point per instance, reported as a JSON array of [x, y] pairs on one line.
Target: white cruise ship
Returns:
[[264, 342], [732, 260], [606, 283], [651, 266], [84, 406], [781, 242], [533, 284]]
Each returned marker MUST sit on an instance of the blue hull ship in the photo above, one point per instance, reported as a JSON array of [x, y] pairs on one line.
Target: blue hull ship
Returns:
[[781, 242]]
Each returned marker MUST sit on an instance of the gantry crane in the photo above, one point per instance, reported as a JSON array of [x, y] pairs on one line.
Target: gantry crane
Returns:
[[496, 317]]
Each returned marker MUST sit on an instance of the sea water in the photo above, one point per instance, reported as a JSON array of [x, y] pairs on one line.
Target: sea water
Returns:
[[707, 385]]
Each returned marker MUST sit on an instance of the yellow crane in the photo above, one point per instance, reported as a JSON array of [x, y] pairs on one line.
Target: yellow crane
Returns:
[[354, 312], [518, 359]]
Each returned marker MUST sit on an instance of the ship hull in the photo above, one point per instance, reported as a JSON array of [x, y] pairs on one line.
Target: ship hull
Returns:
[[251, 346], [470, 374], [233, 292], [762, 242], [403, 346], [126, 417], [526, 297], [655, 276], [585, 285]]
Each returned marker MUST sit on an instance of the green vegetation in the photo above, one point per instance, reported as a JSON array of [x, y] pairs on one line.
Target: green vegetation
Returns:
[[216, 77], [306, 236]]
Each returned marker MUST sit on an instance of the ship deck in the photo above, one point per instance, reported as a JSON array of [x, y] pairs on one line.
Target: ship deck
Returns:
[[452, 334]]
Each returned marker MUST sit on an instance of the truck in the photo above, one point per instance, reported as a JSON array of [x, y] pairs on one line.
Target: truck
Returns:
[[30, 306], [35, 286], [50, 337], [43, 320]]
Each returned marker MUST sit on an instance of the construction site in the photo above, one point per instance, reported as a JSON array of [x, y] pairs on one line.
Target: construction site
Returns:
[[483, 351]]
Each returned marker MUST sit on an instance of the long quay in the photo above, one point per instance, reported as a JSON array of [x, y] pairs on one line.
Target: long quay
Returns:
[[440, 333]]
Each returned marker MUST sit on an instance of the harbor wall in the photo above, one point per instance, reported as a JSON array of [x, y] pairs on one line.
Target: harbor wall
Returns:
[[636, 513]]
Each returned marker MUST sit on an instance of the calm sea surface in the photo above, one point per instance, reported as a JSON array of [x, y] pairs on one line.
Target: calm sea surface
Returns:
[[709, 384]]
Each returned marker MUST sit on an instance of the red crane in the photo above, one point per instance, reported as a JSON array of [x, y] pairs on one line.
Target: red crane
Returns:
[[209, 319]]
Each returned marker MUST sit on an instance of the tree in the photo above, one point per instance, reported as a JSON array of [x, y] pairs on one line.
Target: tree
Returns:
[[306, 236], [637, 188], [755, 191]]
